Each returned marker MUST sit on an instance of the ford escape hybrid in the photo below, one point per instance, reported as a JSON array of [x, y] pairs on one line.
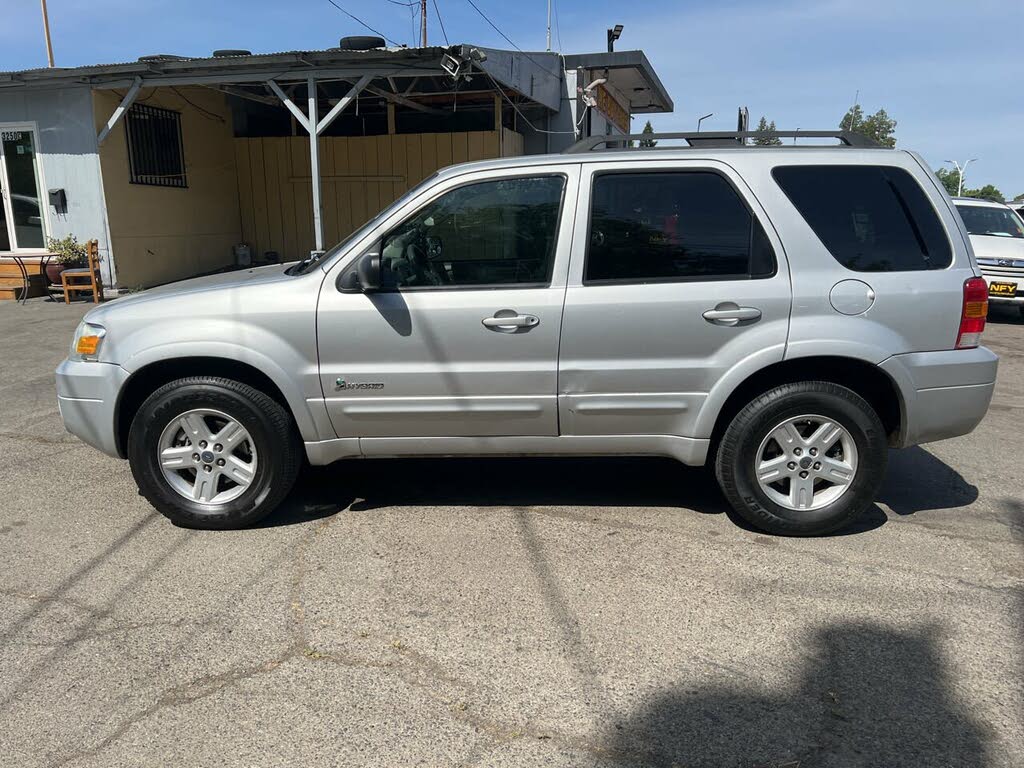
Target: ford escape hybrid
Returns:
[[784, 314]]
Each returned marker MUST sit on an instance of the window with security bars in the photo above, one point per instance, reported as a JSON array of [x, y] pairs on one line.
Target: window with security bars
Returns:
[[155, 153]]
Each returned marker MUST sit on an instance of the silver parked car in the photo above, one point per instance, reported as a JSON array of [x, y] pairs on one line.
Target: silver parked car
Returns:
[[785, 314]]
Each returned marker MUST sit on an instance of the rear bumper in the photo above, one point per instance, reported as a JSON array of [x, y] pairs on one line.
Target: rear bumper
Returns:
[[945, 394], [87, 398]]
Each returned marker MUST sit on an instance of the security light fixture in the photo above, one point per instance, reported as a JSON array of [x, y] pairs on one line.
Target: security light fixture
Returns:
[[451, 65], [613, 34]]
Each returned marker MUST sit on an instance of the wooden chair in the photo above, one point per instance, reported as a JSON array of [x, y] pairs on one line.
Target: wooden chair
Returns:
[[84, 278]]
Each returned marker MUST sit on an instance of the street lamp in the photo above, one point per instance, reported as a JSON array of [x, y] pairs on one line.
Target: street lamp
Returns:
[[613, 34], [960, 172], [701, 120]]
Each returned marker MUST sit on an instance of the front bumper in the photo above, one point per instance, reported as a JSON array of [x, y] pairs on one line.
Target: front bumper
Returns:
[[87, 398], [945, 394], [1007, 277]]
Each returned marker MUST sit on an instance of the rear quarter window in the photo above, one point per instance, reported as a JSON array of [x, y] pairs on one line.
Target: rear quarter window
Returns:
[[870, 218]]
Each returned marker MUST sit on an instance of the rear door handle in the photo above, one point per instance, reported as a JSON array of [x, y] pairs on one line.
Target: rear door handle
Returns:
[[728, 313], [507, 321]]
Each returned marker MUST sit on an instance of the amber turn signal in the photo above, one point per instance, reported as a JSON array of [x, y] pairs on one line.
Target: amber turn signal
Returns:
[[87, 345]]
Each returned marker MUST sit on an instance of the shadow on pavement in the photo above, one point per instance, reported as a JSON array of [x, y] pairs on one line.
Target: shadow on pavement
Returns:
[[364, 485], [918, 481], [492, 482], [868, 696]]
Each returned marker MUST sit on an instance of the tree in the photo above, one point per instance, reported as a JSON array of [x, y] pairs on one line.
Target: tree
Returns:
[[766, 141], [648, 128], [950, 180], [989, 191], [878, 126]]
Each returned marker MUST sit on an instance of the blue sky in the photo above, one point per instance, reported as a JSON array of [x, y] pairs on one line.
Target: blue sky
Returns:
[[949, 71]]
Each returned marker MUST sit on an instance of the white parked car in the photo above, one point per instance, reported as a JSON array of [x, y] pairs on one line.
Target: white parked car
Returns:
[[997, 236]]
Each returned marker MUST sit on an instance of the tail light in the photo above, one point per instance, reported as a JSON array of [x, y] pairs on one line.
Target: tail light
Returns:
[[972, 319]]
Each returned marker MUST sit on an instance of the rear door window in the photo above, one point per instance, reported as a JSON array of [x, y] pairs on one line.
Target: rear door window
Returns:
[[673, 226], [870, 218]]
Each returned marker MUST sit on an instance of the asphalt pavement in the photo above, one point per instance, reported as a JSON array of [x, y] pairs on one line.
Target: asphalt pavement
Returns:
[[504, 612]]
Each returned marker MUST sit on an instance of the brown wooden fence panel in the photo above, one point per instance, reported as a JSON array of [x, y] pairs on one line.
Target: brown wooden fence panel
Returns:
[[359, 176]]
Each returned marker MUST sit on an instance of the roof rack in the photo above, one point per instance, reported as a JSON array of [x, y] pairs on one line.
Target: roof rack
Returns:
[[705, 139]]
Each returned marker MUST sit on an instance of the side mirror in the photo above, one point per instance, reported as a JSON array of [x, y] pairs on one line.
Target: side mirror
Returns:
[[369, 271]]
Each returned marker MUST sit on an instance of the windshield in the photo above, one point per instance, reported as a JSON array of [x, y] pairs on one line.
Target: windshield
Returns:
[[306, 265], [996, 222]]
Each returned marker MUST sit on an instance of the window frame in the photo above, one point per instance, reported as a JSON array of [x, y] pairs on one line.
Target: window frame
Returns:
[[378, 241], [133, 175], [914, 225], [648, 171]]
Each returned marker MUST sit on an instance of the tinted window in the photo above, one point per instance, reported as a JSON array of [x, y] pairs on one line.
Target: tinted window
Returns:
[[672, 226], [491, 233], [985, 220], [871, 218]]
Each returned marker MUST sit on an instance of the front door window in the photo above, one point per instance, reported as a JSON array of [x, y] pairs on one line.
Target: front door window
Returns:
[[499, 232], [22, 212]]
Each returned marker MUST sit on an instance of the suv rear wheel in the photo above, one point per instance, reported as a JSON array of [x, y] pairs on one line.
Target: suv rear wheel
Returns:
[[213, 453], [803, 459]]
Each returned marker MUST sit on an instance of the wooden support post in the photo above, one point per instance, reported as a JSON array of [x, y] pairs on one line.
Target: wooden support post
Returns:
[[391, 119], [497, 124]]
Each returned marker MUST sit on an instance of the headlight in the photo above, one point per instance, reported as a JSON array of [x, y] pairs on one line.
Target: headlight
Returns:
[[87, 342]]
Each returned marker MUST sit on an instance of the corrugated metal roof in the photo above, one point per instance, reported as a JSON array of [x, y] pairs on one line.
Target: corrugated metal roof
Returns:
[[175, 63]]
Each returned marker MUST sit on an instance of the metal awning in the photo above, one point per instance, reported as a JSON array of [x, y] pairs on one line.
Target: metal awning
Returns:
[[391, 73], [630, 74]]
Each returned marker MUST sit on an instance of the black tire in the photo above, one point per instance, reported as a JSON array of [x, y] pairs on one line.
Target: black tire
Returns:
[[737, 455], [269, 426]]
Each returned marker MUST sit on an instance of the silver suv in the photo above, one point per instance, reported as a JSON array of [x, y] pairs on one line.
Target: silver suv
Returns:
[[785, 314]]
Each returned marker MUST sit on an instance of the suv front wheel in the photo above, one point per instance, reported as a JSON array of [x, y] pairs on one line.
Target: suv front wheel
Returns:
[[803, 459], [213, 453]]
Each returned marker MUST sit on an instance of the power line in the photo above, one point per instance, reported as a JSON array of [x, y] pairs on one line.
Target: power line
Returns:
[[360, 21], [519, 112], [510, 42], [441, 22], [484, 17]]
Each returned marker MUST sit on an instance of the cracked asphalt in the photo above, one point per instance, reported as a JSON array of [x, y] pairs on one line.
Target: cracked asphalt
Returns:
[[570, 612]]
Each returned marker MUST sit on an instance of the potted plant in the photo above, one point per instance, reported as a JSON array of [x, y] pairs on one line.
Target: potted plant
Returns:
[[70, 254]]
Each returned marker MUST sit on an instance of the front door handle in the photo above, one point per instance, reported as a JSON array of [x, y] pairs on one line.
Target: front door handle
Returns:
[[509, 321], [729, 314]]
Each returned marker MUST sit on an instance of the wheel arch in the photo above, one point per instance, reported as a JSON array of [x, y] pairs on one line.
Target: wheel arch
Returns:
[[147, 379], [865, 378]]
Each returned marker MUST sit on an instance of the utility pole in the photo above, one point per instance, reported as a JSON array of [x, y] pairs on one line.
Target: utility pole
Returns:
[[549, 25], [46, 31], [423, 22]]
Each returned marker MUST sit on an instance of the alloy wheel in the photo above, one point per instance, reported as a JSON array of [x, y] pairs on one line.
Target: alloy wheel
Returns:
[[207, 456], [806, 462]]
